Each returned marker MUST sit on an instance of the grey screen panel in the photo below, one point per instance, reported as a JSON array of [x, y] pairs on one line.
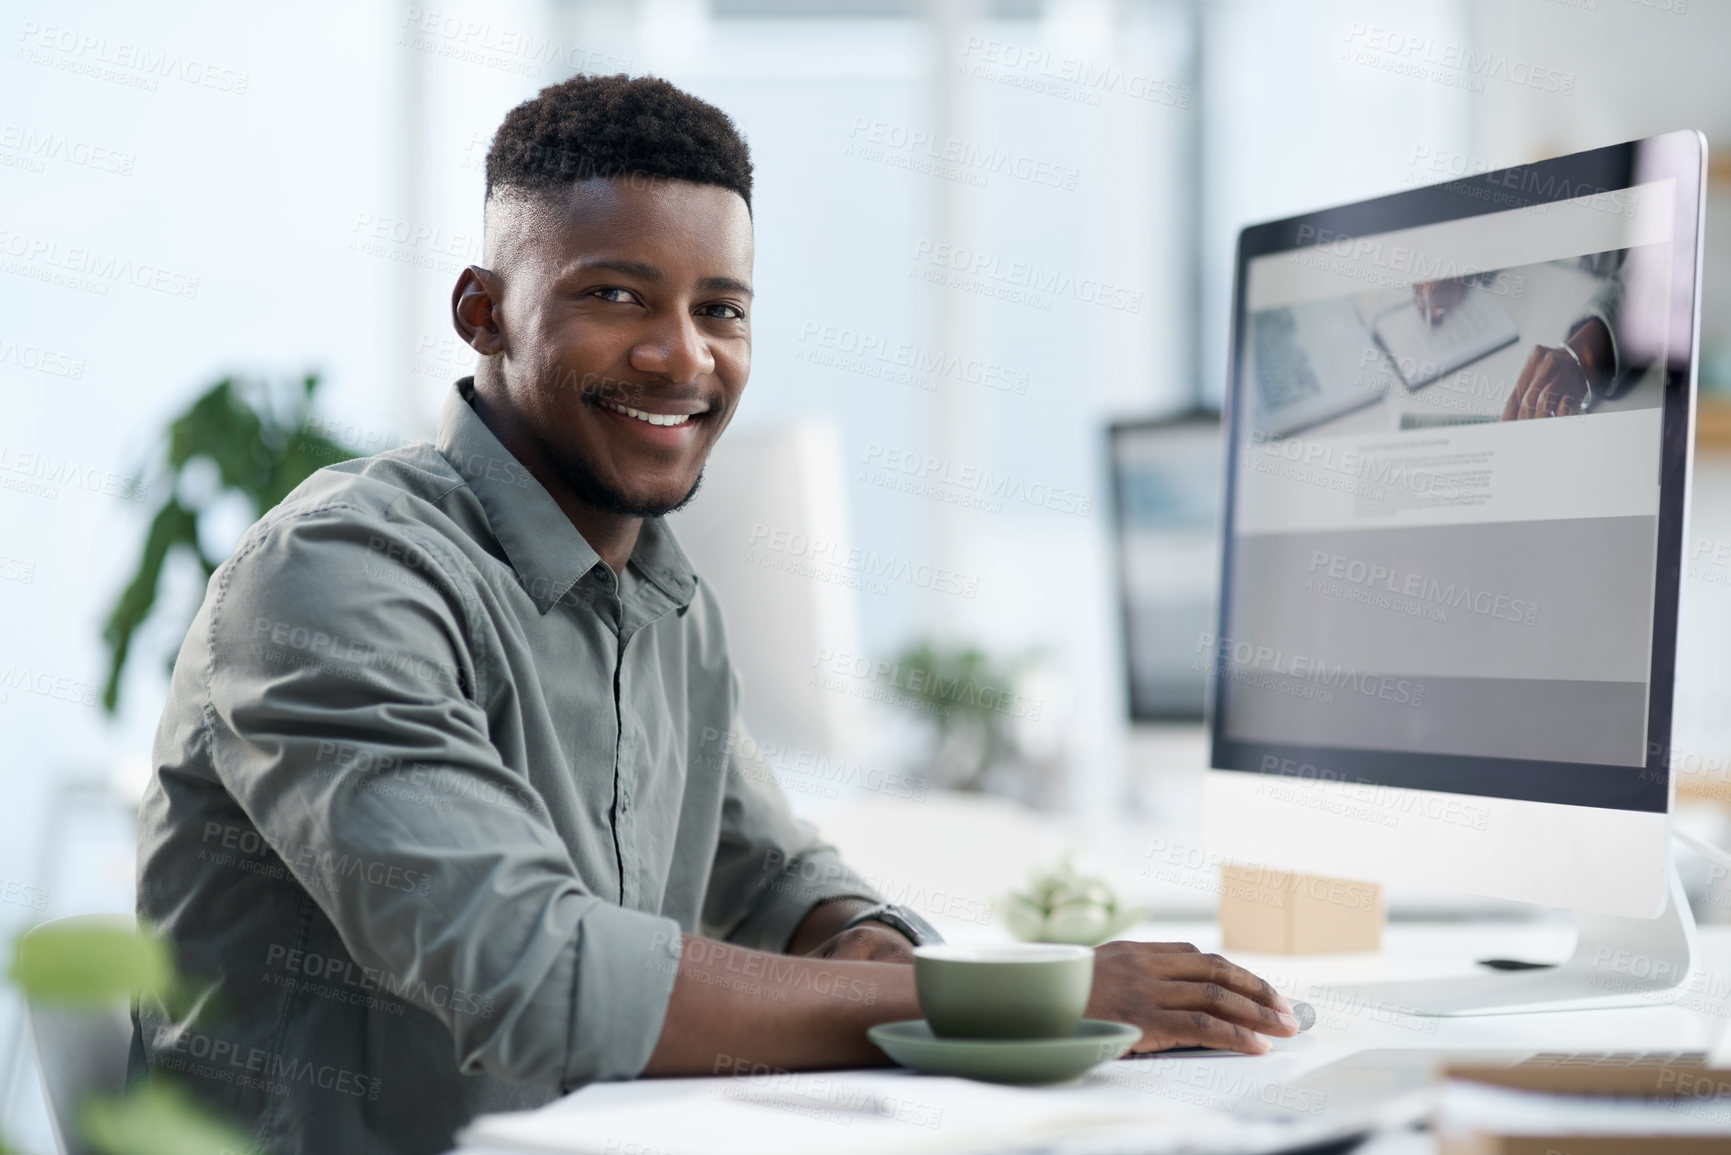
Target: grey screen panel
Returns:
[[1567, 598]]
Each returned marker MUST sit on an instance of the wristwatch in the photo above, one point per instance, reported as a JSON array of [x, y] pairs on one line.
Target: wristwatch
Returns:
[[914, 928]]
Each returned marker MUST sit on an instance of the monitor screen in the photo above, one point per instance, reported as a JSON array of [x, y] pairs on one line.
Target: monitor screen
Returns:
[[1451, 553]]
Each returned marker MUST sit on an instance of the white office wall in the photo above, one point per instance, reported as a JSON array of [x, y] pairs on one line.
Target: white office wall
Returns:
[[1301, 112]]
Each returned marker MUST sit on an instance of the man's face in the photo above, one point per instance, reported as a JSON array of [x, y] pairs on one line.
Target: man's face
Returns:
[[625, 331]]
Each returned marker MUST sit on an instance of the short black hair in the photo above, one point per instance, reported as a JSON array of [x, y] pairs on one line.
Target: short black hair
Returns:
[[606, 126]]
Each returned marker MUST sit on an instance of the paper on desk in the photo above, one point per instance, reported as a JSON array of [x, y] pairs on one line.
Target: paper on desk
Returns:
[[839, 1113]]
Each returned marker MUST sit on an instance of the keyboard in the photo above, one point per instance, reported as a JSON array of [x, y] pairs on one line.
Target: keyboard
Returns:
[[1283, 373]]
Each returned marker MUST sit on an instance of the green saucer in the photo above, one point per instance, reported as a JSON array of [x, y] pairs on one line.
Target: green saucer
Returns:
[[912, 1044]]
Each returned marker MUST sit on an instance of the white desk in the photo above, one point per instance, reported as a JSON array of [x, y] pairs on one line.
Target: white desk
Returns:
[[1693, 1021]]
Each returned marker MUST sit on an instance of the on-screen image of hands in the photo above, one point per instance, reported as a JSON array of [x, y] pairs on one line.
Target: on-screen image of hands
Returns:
[[1181, 997], [1555, 380]]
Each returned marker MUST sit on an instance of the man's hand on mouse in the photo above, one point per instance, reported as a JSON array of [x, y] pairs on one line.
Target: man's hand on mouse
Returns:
[[1181, 997]]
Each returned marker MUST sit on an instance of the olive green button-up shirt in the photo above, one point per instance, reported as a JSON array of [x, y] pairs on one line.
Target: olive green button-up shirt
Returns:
[[435, 793]]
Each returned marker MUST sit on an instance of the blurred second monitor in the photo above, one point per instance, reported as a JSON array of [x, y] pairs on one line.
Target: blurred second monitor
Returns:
[[1166, 486]]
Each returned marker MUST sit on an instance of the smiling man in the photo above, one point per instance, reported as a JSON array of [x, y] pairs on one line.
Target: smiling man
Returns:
[[433, 830]]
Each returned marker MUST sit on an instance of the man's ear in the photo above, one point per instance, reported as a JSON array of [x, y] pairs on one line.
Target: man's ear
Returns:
[[474, 305]]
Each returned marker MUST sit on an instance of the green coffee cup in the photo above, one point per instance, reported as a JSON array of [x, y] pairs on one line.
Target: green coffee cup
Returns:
[[1011, 991]]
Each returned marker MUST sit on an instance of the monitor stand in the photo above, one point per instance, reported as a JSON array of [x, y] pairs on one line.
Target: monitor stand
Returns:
[[1617, 962]]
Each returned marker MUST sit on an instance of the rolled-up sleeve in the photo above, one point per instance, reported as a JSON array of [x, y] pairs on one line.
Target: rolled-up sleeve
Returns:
[[770, 867], [333, 671]]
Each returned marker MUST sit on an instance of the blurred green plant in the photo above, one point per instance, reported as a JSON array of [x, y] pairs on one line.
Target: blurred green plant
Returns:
[[90, 966], [262, 441], [969, 698], [1061, 904]]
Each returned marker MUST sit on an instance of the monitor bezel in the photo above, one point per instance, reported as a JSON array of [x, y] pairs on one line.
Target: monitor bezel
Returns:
[[1679, 155]]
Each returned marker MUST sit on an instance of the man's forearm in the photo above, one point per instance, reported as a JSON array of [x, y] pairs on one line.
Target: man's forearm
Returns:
[[731, 1005]]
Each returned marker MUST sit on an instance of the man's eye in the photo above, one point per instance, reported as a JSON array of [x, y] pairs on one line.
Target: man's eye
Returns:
[[614, 293], [725, 312]]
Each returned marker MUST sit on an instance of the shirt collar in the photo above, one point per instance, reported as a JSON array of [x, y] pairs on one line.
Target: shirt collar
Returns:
[[545, 549]]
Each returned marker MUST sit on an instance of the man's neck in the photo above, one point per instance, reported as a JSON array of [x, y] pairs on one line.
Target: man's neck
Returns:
[[611, 535]]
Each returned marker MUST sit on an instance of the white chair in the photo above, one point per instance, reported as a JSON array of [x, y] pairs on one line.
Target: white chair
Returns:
[[81, 1051], [769, 531]]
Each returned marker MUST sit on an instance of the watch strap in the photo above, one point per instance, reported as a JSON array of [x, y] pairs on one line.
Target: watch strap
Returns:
[[908, 922]]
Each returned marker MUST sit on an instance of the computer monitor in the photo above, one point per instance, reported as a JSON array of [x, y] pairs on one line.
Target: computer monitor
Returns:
[[1166, 515], [1459, 445]]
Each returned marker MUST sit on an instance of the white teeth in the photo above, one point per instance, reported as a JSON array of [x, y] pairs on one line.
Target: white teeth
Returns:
[[652, 418]]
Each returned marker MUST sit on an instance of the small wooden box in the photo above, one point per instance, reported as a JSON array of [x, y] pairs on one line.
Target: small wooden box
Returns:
[[1280, 912]]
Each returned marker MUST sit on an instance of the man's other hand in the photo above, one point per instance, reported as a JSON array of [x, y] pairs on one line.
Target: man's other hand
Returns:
[[867, 942], [1181, 997], [1435, 298]]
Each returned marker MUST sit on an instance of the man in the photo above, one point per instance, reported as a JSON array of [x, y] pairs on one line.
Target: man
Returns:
[[433, 828]]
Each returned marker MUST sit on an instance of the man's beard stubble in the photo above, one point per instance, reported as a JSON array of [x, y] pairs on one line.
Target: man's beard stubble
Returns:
[[592, 491]]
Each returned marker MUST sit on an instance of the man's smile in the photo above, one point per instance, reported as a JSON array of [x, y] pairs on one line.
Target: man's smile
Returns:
[[666, 419]]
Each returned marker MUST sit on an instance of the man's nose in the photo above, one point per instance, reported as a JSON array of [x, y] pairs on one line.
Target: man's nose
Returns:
[[676, 350]]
